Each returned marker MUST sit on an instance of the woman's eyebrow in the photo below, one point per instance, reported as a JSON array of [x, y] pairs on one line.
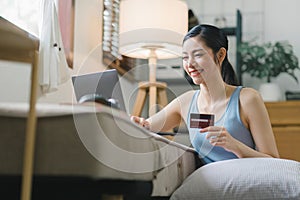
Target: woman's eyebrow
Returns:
[[195, 50]]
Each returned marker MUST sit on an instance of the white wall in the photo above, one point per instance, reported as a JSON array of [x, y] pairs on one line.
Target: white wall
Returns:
[[282, 23]]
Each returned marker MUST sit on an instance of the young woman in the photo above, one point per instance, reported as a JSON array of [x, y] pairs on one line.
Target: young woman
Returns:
[[242, 127]]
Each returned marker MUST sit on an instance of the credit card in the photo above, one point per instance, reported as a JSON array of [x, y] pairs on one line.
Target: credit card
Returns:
[[201, 120]]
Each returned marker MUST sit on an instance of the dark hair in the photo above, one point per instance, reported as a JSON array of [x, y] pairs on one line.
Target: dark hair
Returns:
[[215, 39]]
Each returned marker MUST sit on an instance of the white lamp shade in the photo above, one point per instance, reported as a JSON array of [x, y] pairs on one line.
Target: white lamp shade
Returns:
[[161, 24]]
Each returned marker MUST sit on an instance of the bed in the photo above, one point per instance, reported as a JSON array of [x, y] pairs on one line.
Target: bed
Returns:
[[86, 151]]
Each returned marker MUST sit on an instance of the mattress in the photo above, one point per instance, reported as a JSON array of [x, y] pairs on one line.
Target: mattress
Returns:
[[92, 141]]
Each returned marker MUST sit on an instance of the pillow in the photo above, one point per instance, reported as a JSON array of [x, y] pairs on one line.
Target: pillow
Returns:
[[246, 178]]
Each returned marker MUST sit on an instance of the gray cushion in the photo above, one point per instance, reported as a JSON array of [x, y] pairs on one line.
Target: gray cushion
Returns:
[[247, 178]]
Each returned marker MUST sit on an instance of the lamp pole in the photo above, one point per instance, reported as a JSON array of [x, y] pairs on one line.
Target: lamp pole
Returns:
[[152, 81], [155, 90]]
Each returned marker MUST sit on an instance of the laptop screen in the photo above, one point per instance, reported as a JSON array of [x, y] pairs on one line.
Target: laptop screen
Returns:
[[105, 84]]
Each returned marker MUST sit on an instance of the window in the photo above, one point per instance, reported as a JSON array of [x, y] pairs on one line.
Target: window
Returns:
[[23, 13], [27, 14], [110, 40]]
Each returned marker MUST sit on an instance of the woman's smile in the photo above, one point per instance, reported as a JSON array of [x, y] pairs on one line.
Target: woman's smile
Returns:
[[195, 72]]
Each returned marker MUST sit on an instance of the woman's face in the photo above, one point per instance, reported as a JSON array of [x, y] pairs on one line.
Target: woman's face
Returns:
[[198, 60]]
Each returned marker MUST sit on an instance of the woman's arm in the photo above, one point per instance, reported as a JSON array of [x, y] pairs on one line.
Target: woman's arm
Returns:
[[255, 115], [169, 117]]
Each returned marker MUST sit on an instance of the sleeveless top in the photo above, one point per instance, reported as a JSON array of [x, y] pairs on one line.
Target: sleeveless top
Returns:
[[230, 120]]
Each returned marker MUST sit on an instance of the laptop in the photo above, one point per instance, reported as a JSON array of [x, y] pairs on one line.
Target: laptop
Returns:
[[104, 84]]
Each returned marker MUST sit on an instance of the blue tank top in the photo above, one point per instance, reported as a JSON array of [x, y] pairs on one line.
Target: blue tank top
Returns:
[[230, 120]]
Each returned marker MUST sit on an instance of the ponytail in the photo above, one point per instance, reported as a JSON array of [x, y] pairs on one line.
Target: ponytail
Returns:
[[228, 73]]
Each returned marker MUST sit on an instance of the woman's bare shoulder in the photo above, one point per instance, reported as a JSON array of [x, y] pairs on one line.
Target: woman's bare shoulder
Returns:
[[182, 100], [189, 93], [250, 96], [187, 96]]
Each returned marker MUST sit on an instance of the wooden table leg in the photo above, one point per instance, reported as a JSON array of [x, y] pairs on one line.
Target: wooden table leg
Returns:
[[30, 135]]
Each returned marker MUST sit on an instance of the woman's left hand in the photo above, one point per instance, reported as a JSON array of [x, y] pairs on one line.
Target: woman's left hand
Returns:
[[219, 136]]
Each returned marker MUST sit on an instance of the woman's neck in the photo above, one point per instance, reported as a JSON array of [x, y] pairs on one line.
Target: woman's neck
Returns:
[[213, 99], [213, 93]]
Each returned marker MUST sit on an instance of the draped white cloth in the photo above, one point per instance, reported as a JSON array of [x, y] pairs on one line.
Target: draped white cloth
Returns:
[[53, 67]]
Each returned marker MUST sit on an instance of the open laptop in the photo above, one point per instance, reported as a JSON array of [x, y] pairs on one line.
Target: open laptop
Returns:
[[104, 84]]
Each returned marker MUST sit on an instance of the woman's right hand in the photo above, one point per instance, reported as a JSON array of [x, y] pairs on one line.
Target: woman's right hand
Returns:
[[141, 121]]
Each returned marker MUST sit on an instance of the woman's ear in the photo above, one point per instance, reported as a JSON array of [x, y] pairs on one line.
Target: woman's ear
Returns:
[[221, 55]]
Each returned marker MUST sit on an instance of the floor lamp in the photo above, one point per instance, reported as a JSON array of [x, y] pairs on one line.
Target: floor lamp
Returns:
[[152, 29]]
